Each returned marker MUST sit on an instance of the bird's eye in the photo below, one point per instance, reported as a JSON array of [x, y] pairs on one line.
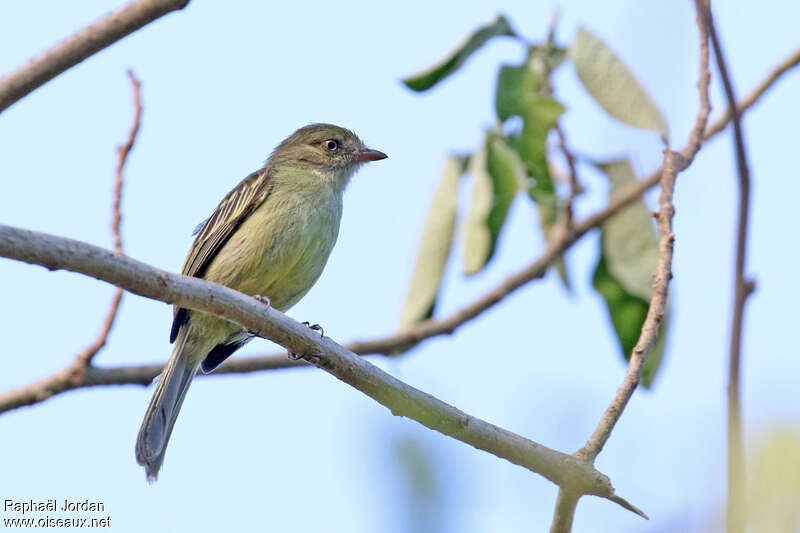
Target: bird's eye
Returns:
[[331, 144]]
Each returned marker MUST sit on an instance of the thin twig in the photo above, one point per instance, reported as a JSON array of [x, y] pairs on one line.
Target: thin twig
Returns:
[[737, 481], [575, 187], [547, 88], [748, 101], [85, 356], [674, 163], [78, 46], [197, 294]]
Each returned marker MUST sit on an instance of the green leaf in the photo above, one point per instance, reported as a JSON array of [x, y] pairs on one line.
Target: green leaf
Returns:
[[516, 85], [540, 116], [624, 273], [434, 249], [774, 481], [517, 94], [613, 85], [497, 173], [631, 242], [420, 485], [433, 75], [547, 207], [628, 313]]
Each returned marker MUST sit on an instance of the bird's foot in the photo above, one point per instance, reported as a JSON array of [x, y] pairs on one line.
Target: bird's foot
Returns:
[[262, 299], [313, 327]]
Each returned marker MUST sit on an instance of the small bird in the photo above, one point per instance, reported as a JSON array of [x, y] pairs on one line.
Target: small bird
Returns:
[[270, 238]]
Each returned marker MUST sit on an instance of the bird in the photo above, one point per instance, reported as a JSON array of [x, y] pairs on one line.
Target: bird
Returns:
[[270, 237]]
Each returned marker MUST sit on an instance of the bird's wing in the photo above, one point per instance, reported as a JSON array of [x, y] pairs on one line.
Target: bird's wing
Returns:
[[215, 231]]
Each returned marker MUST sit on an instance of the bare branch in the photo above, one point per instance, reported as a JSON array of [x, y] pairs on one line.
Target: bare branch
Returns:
[[565, 511], [749, 101], [742, 288], [200, 295], [78, 46], [674, 163], [85, 356]]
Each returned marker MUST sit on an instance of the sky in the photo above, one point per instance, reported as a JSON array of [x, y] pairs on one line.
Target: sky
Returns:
[[296, 450]]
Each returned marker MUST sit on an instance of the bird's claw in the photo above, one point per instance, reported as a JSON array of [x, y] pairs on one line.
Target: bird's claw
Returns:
[[313, 327], [262, 299]]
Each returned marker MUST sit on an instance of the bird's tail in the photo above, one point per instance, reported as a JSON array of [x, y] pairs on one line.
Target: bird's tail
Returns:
[[160, 417]]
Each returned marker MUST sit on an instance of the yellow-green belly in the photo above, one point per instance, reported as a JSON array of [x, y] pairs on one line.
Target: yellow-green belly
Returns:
[[279, 252]]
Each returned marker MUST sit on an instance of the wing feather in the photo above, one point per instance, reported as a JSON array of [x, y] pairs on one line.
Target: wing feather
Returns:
[[215, 231]]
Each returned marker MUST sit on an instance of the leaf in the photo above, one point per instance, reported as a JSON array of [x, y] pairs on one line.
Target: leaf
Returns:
[[434, 248], [613, 85], [516, 85], [628, 313], [631, 242], [548, 217], [774, 481], [433, 75], [497, 172], [624, 273], [419, 485], [544, 59], [539, 117], [517, 94]]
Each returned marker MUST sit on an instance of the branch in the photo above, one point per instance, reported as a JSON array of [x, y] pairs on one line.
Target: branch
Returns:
[[749, 101], [674, 163], [565, 511], [196, 294], [78, 46], [85, 356], [575, 186], [742, 288]]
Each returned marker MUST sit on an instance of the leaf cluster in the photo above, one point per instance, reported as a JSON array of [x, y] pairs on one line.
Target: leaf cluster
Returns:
[[516, 159]]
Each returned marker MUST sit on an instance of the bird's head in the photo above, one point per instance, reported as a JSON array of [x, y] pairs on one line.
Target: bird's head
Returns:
[[327, 150]]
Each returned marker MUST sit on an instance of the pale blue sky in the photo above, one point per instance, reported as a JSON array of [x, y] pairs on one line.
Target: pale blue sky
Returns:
[[297, 450]]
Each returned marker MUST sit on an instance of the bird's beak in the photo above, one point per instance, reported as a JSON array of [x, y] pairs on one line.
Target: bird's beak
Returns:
[[363, 156]]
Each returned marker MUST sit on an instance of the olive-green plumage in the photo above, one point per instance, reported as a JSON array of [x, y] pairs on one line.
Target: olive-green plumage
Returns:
[[270, 236]]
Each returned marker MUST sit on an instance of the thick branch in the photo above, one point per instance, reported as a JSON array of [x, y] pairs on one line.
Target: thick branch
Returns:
[[742, 289], [565, 511], [78, 46], [57, 253]]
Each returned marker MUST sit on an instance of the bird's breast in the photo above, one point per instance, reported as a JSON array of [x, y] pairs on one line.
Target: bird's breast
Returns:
[[280, 250]]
